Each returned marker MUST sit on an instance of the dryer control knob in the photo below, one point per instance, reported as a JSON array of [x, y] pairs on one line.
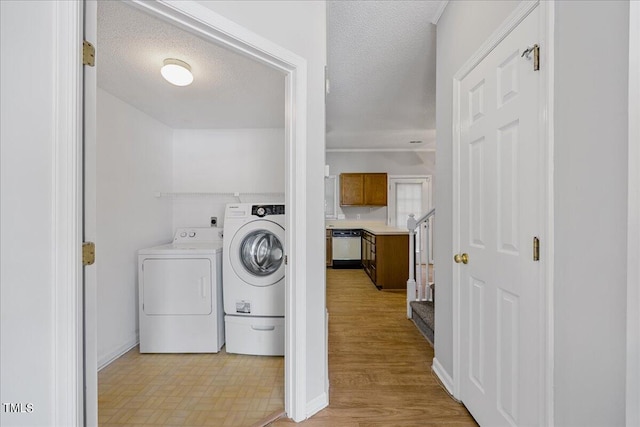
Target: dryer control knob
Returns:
[[183, 234], [261, 211], [192, 234]]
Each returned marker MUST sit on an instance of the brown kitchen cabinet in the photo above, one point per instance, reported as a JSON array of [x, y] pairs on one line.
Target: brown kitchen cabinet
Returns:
[[369, 254], [363, 189], [385, 258], [329, 249], [375, 189]]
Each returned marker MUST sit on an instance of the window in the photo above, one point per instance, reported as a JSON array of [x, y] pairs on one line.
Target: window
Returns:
[[411, 195], [330, 200]]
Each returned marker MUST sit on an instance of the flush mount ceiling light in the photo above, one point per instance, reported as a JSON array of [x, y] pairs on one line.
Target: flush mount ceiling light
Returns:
[[176, 72]]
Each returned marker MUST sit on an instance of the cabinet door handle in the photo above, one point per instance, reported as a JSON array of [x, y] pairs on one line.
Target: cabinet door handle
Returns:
[[203, 287], [262, 328]]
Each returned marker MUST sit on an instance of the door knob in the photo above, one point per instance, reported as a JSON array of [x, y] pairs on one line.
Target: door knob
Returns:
[[464, 258]]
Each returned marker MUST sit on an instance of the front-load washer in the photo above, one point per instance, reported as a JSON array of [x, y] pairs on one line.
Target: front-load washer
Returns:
[[253, 278], [180, 294]]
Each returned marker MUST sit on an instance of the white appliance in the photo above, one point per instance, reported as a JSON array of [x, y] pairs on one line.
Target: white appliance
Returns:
[[346, 248], [180, 293], [253, 278]]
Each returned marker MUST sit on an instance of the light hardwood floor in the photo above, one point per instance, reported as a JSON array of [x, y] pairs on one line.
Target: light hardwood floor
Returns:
[[379, 369], [379, 364]]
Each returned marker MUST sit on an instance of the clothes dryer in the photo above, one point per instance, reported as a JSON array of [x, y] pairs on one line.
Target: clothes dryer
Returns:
[[253, 277], [180, 294]]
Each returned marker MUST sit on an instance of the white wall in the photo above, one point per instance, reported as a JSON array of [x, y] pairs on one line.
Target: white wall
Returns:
[[134, 160], [591, 211], [137, 157], [27, 129], [462, 28], [222, 161], [633, 240], [391, 162], [300, 26]]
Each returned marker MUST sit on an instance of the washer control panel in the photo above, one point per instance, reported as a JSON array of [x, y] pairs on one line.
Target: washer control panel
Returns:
[[264, 210]]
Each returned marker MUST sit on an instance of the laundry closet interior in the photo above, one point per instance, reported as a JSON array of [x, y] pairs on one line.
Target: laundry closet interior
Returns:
[[171, 158]]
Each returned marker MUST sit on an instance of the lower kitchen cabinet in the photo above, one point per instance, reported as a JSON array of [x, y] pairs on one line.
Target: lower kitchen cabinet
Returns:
[[369, 254], [385, 259]]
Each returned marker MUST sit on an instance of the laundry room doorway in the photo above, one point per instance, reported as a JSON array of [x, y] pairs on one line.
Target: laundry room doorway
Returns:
[[155, 162]]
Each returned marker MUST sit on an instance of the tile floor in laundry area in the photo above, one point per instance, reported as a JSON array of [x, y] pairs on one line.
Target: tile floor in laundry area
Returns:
[[190, 389]]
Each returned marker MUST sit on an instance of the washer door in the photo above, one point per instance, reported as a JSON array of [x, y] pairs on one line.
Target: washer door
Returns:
[[257, 253]]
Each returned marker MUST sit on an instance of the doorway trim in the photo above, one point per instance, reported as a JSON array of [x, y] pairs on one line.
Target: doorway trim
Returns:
[[68, 396], [68, 200], [633, 227], [545, 119]]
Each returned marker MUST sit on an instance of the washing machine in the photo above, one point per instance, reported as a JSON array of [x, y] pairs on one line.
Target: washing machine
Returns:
[[180, 302], [253, 278]]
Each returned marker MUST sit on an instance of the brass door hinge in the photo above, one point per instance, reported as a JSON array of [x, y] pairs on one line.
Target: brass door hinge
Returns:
[[536, 249], [88, 253], [88, 54]]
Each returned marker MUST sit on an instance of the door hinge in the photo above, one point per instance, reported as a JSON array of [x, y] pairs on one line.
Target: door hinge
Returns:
[[535, 49], [327, 84], [88, 253], [536, 249], [286, 260], [88, 54]]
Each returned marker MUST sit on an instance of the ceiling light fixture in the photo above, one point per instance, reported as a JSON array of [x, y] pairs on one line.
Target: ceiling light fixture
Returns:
[[177, 72]]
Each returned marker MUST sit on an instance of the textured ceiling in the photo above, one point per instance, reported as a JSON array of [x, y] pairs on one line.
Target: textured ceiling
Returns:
[[381, 67], [382, 72], [229, 90]]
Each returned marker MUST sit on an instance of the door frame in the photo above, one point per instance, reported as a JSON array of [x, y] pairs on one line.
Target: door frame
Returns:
[[545, 198], [633, 228], [67, 203], [68, 193]]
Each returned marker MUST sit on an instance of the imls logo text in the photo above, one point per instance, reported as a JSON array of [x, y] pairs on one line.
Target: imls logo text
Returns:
[[23, 408]]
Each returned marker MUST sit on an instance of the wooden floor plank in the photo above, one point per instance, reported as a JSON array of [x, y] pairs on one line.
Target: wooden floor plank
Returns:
[[379, 363]]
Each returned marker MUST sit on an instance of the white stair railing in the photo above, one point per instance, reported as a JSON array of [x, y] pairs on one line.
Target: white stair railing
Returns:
[[420, 290]]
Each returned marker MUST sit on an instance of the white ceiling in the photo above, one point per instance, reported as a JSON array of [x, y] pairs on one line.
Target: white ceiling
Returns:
[[381, 66], [381, 58], [228, 91]]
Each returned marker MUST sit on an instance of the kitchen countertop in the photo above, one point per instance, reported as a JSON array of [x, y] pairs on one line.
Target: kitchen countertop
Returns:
[[378, 228]]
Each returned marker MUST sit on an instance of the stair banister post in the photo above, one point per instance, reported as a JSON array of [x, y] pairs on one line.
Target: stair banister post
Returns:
[[426, 252], [411, 283]]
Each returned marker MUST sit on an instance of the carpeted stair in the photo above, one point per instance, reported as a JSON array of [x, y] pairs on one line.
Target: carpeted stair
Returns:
[[423, 317]]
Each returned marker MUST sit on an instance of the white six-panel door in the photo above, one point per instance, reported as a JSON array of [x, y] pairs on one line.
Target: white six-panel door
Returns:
[[500, 304]]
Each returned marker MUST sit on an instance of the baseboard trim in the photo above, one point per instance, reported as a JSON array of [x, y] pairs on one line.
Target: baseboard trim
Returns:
[[442, 375], [316, 405], [106, 360]]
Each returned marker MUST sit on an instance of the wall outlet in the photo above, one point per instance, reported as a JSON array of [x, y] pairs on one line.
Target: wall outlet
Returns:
[[358, 216], [214, 221]]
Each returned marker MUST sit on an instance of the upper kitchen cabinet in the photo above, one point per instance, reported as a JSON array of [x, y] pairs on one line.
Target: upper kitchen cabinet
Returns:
[[375, 189], [363, 189]]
